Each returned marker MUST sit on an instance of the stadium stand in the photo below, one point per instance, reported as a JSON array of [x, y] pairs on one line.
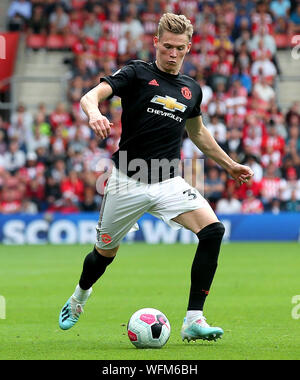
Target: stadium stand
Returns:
[[48, 159]]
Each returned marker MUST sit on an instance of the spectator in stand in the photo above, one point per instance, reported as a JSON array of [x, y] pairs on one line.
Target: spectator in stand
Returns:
[[263, 67], [252, 142], [28, 207], [293, 205], [217, 129], [242, 22], [293, 143], [290, 186], [217, 106], [229, 204], [107, 45], [276, 206], [268, 41], [294, 131], [243, 39], [113, 24], [19, 14], [52, 190], [280, 9], [214, 186], [92, 27], [14, 158], [236, 100], [253, 162], [38, 22], [132, 24], [59, 141], [253, 186], [207, 93], [261, 51], [59, 21], [10, 203], [75, 22], [293, 110], [251, 204], [89, 203], [243, 58], [128, 48], [42, 124], [242, 75], [234, 142], [276, 117], [78, 137], [270, 185], [221, 68], [273, 146], [264, 93], [58, 170], [261, 18], [60, 116], [37, 140], [21, 125], [65, 205], [74, 186], [76, 89]]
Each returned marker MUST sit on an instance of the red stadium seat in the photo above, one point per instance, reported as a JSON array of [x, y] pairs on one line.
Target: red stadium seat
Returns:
[[55, 41], [36, 41], [70, 40], [282, 41]]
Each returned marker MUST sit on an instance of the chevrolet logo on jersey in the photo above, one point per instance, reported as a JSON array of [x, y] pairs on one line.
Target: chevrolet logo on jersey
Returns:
[[169, 103]]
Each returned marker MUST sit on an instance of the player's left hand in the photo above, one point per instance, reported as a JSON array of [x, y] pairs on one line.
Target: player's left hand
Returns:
[[241, 173]]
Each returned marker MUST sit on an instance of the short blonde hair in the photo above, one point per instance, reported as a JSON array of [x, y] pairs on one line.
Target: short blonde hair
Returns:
[[173, 23]]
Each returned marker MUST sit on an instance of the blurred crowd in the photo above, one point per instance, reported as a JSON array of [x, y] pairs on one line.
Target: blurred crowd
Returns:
[[49, 159]]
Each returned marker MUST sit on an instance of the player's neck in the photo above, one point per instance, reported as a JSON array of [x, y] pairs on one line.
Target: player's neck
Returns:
[[171, 71]]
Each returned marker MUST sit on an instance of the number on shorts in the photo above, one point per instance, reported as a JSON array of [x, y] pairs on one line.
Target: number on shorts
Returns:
[[190, 194]]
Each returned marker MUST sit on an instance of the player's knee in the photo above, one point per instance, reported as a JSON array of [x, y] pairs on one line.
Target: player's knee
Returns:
[[107, 252], [213, 230]]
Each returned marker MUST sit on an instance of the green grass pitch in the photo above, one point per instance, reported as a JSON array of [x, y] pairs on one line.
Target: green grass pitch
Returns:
[[251, 299]]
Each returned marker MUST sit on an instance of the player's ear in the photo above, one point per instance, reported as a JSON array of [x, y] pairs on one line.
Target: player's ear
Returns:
[[155, 41], [189, 47]]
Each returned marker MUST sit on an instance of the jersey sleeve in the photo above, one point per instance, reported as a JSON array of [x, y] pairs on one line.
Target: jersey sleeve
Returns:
[[197, 109], [122, 80]]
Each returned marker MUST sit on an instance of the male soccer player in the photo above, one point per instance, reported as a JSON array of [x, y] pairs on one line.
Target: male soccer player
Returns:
[[158, 104]]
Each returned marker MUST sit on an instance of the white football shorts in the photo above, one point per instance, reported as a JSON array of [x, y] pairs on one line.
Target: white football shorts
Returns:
[[125, 200]]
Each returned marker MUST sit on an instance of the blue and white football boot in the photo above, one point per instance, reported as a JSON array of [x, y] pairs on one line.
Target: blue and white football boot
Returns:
[[200, 329], [72, 310], [70, 313]]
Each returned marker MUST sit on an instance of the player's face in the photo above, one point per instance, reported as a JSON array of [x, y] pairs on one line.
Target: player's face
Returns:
[[171, 49]]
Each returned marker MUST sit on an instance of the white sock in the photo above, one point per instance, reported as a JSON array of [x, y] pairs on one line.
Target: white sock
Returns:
[[81, 295], [193, 315]]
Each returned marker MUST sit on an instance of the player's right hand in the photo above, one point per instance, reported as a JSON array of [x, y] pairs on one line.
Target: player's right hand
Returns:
[[99, 124]]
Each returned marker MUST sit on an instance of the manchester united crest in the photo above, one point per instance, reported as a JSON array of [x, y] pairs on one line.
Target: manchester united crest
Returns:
[[185, 91]]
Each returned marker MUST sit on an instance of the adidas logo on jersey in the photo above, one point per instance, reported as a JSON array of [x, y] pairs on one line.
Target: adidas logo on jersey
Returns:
[[153, 82]]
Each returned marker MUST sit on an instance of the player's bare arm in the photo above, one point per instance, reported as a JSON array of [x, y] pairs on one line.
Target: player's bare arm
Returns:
[[89, 103], [203, 139]]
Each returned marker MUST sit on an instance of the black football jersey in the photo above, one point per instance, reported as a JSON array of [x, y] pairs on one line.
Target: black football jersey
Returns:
[[155, 107]]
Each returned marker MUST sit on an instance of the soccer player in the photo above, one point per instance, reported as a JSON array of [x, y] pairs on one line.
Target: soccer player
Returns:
[[158, 103]]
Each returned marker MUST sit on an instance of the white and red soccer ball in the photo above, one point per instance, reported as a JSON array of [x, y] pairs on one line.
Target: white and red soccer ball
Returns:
[[148, 328]]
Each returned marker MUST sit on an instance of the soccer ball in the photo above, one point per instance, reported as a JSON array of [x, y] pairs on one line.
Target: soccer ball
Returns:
[[148, 328]]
